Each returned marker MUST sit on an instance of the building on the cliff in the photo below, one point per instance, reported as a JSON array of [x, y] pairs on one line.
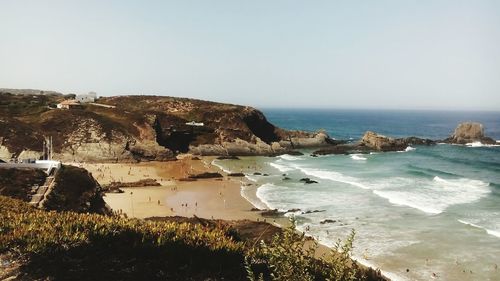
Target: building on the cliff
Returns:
[[86, 98], [192, 123], [69, 104]]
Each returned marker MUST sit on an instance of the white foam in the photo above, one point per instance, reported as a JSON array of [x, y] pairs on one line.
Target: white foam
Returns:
[[480, 144], [220, 167], [358, 157], [403, 199], [489, 231], [409, 148], [333, 176], [492, 232], [474, 144], [251, 178], [289, 157], [261, 194], [432, 197], [281, 168], [390, 275], [245, 193]]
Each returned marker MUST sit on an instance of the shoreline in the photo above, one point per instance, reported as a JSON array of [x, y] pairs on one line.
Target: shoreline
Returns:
[[221, 198], [206, 198]]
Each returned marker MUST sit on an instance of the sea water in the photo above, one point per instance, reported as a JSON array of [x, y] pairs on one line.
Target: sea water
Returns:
[[423, 212]]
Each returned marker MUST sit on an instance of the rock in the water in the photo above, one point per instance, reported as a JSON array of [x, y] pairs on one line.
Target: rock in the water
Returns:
[[272, 213], [206, 175], [229, 157], [308, 180], [313, 211], [469, 132], [295, 153], [382, 143], [236, 175], [372, 141]]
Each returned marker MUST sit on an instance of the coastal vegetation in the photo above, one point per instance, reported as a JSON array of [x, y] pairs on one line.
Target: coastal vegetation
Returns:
[[291, 256], [78, 246]]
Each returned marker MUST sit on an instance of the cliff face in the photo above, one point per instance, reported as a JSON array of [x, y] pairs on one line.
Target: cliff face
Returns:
[[139, 128], [76, 190]]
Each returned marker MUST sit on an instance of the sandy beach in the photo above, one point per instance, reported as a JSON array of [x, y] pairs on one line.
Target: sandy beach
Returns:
[[206, 198]]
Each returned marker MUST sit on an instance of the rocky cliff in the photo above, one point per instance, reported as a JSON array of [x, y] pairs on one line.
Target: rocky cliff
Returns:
[[75, 189], [137, 128]]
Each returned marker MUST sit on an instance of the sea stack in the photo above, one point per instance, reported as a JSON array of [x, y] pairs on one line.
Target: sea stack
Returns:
[[469, 132], [382, 143]]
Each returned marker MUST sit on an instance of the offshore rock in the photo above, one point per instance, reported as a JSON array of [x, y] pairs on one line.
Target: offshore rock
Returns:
[[378, 142], [382, 143], [469, 132], [297, 140], [373, 142]]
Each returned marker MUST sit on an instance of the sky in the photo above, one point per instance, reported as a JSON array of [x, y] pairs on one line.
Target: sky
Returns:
[[266, 53]]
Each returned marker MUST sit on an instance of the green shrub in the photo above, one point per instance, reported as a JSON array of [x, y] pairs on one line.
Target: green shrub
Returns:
[[70, 245], [291, 256], [78, 246]]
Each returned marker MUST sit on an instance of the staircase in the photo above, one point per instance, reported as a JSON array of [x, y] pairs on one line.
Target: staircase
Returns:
[[43, 191]]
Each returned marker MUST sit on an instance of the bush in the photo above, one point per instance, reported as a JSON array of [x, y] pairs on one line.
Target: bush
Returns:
[[291, 256], [68, 245]]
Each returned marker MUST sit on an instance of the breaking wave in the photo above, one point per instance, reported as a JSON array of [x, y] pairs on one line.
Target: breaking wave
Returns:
[[281, 168], [495, 233], [433, 197], [358, 157], [289, 157]]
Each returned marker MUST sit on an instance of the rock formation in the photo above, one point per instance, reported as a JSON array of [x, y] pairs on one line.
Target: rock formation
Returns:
[[140, 128], [75, 189], [382, 143], [372, 141], [469, 132]]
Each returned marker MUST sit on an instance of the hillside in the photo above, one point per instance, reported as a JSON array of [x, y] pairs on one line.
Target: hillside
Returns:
[[74, 190], [139, 128], [41, 245]]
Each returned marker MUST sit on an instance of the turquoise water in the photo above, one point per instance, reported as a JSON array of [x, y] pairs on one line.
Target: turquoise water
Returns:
[[421, 211]]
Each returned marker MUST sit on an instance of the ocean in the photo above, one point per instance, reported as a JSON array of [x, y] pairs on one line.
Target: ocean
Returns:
[[423, 213]]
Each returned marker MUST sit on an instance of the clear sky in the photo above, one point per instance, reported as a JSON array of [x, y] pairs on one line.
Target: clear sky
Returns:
[[341, 54]]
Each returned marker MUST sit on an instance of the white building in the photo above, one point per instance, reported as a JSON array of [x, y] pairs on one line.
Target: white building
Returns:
[[86, 98], [68, 104]]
